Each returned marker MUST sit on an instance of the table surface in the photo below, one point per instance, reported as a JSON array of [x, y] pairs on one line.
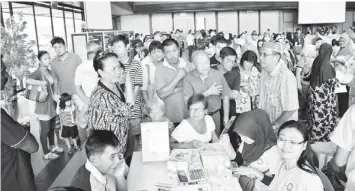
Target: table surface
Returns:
[[143, 176]]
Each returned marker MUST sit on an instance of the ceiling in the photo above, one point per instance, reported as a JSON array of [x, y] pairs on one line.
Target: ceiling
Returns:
[[141, 7]]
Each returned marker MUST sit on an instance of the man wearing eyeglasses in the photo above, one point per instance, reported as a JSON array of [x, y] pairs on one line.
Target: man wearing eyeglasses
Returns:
[[212, 84], [105, 168], [278, 86]]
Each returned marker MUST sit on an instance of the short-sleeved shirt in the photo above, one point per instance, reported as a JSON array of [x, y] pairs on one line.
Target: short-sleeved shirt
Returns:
[[295, 179], [86, 77], [65, 70], [175, 107], [278, 92], [136, 75], [233, 80], [344, 137], [16, 169], [185, 133], [193, 84]]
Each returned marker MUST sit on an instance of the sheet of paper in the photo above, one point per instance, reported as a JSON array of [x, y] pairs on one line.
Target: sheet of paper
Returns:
[[155, 141]]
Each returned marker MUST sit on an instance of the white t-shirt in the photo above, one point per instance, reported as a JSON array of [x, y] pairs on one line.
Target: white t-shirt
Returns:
[[185, 133], [148, 76], [86, 77], [190, 39], [344, 137], [295, 179]]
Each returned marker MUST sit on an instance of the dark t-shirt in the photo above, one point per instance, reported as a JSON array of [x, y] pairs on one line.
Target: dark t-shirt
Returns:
[[82, 179], [16, 169], [213, 61]]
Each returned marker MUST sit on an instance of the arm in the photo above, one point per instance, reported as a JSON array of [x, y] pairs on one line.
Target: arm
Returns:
[[28, 144], [145, 83], [174, 144], [188, 90], [129, 90], [168, 89], [285, 116], [298, 78], [225, 109], [214, 137], [81, 94]]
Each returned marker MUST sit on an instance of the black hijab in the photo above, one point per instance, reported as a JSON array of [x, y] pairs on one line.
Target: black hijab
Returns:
[[321, 68], [256, 125]]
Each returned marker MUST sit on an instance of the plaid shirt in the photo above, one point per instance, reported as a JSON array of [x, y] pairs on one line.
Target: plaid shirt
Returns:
[[278, 92]]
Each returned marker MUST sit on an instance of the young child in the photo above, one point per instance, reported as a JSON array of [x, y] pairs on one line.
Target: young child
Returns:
[[66, 112]]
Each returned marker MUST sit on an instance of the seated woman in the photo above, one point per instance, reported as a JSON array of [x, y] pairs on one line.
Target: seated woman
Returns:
[[258, 145], [296, 172], [198, 129]]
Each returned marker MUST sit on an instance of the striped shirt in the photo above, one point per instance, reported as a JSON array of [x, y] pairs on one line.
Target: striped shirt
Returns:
[[278, 92], [67, 117], [136, 74]]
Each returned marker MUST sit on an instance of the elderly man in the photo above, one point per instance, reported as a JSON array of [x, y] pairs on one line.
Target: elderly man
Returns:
[[212, 84], [278, 86]]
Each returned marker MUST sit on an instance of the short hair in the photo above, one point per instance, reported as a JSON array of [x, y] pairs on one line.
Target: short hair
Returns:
[[92, 47], [154, 45], [317, 39], [220, 39], [227, 51], [156, 103], [41, 53], [118, 38], [197, 98], [157, 32], [298, 29], [147, 36], [64, 98], [136, 35], [100, 57], [249, 56], [98, 141], [146, 52], [197, 52], [57, 40], [169, 42]]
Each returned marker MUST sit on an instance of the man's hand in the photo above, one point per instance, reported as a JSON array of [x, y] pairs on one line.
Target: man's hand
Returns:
[[214, 90], [181, 73], [56, 98]]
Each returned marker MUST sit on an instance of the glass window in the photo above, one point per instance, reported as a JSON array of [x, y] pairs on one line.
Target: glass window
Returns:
[[205, 20], [228, 22], [69, 22], [249, 21], [58, 23], [78, 22], [44, 28], [5, 11]]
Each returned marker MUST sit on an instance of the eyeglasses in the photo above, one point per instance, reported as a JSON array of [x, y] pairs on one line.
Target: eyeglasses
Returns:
[[293, 143], [230, 61], [197, 109], [263, 55]]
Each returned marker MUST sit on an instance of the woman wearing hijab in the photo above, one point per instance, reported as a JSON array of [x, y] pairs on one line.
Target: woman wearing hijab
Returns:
[[258, 145], [322, 102], [344, 71]]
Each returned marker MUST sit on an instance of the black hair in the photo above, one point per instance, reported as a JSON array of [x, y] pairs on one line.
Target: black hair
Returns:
[[197, 98], [169, 42], [203, 33], [317, 39], [220, 39], [118, 38], [41, 53], [155, 45], [298, 29], [249, 56], [57, 40], [276, 35], [157, 32], [64, 98], [136, 35], [166, 34], [227, 51], [98, 141], [100, 57], [335, 42], [146, 52], [306, 160], [145, 38]]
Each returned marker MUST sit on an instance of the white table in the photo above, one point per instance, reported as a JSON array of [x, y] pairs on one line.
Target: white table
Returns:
[[143, 176]]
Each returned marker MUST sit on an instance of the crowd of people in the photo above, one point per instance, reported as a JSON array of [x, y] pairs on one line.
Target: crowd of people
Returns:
[[287, 91]]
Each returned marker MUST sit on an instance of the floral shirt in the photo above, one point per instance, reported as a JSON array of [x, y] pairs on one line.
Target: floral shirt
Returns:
[[108, 111], [249, 86]]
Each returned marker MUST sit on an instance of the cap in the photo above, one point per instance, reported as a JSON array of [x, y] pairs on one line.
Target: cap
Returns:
[[274, 46]]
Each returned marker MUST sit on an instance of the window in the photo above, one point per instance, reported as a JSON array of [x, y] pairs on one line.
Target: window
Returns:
[[44, 28], [58, 23], [5, 11], [69, 23], [78, 21], [27, 12]]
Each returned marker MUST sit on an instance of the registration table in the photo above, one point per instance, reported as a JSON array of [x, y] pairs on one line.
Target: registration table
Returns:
[[144, 176]]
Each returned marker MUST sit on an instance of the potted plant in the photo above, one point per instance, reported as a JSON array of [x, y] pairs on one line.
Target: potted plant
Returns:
[[18, 53]]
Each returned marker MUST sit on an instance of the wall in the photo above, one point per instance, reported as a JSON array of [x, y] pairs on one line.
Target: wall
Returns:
[[136, 23], [227, 21], [101, 19]]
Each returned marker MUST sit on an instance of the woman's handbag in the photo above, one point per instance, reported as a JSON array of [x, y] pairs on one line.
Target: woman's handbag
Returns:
[[36, 93]]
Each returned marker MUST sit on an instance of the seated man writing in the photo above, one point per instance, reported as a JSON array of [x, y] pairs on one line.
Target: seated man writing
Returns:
[[105, 168]]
